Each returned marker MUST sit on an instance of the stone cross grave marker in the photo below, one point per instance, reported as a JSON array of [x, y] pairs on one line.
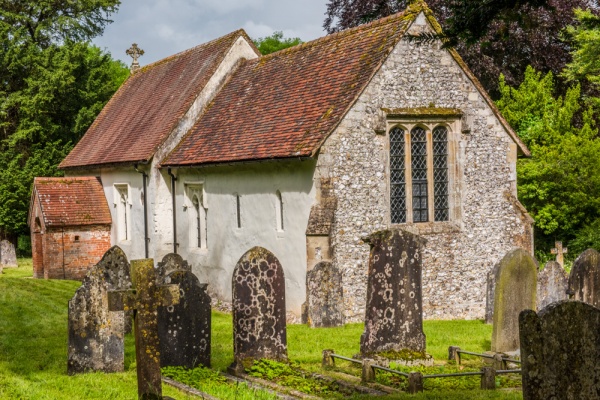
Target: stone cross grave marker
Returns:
[[559, 251], [324, 296], [259, 325], [184, 328], [96, 334], [145, 298], [560, 349], [394, 316], [515, 291], [8, 255], [552, 284], [134, 52], [584, 280]]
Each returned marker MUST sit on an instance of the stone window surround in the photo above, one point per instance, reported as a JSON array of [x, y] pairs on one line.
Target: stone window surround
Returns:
[[122, 236], [407, 119], [192, 189]]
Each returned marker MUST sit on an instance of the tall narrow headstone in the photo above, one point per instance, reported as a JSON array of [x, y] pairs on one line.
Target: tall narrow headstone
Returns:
[[584, 280], [394, 316], [552, 284], [489, 297], [515, 291], [259, 329], [8, 254], [96, 334], [324, 296], [184, 328], [560, 349]]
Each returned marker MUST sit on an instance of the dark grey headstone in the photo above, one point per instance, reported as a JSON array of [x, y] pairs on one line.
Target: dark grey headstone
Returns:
[[552, 284], [489, 298], [515, 291], [584, 280], [560, 349], [184, 329], [8, 255], [95, 333], [171, 262], [394, 316], [259, 326], [324, 296]]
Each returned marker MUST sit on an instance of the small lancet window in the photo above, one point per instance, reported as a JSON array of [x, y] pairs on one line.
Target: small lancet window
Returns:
[[419, 174], [397, 176], [197, 215], [279, 210], [238, 210], [440, 173]]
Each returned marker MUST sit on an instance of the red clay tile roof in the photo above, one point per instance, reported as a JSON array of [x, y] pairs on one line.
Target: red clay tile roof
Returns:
[[72, 201], [148, 106]]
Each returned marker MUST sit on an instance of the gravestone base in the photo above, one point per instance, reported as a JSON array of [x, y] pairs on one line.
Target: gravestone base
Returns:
[[406, 358]]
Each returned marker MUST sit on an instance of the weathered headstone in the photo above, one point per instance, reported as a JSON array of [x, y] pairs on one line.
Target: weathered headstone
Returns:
[[560, 349], [552, 284], [489, 297], [584, 280], [324, 296], [394, 316], [184, 328], [145, 298], [259, 325], [515, 291], [171, 262], [559, 250], [8, 254], [95, 333]]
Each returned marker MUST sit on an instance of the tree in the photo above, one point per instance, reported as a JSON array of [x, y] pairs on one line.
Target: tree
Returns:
[[494, 37], [275, 42]]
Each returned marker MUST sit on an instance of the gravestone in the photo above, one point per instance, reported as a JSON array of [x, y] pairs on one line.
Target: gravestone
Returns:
[[516, 281], [394, 316], [145, 297], [171, 262], [95, 333], [184, 328], [8, 255], [560, 349], [489, 298], [552, 284], [324, 296], [259, 329], [584, 280]]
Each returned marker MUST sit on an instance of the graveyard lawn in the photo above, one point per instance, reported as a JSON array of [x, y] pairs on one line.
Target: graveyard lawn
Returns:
[[33, 349]]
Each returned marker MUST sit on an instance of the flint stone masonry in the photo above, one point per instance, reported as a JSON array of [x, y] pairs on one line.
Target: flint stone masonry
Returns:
[[8, 255], [184, 328], [560, 348], [96, 334], [394, 318], [325, 296], [259, 328], [515, 279], [552, 285], [488, 221], [584, 280]]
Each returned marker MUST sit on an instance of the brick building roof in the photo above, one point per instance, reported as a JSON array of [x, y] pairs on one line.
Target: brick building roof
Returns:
[[71, 201], [147, 107]]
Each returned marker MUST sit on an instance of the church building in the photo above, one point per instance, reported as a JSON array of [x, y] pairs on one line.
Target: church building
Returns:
[[307, 151]]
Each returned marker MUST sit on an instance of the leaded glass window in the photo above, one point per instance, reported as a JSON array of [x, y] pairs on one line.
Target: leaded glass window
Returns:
[[440, 173], [397, 176], [418, 152]]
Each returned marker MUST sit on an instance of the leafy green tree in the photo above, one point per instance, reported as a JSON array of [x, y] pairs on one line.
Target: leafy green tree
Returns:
[[560, 184], [275, 42]]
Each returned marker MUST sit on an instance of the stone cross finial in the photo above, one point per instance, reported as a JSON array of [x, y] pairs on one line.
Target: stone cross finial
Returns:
[[559, 251], [145, 298], [134, 52]]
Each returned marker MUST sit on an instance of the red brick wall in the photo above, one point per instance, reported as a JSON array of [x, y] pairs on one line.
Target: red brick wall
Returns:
[[70, 254], [37, 253]]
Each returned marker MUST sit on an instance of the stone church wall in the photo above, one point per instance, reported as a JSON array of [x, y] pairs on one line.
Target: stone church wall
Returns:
[[487, 219]]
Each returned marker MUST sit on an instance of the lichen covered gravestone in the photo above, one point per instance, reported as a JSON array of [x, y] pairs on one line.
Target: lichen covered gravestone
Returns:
[[259, 326], [560, 349], [584, 280], [552, 284], [394, 317], [184, 328], [96, 334], [324, 296], [515, 291], [171, 262], [8, 255]]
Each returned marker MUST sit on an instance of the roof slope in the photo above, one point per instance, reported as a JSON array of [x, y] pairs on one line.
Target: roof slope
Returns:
[[286, 103], [147, 107], [72, 201]]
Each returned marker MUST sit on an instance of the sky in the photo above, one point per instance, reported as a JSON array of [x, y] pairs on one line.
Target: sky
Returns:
[[165, 27]]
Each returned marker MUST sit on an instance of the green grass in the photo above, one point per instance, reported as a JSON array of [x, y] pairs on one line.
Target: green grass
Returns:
[[33, 350]]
